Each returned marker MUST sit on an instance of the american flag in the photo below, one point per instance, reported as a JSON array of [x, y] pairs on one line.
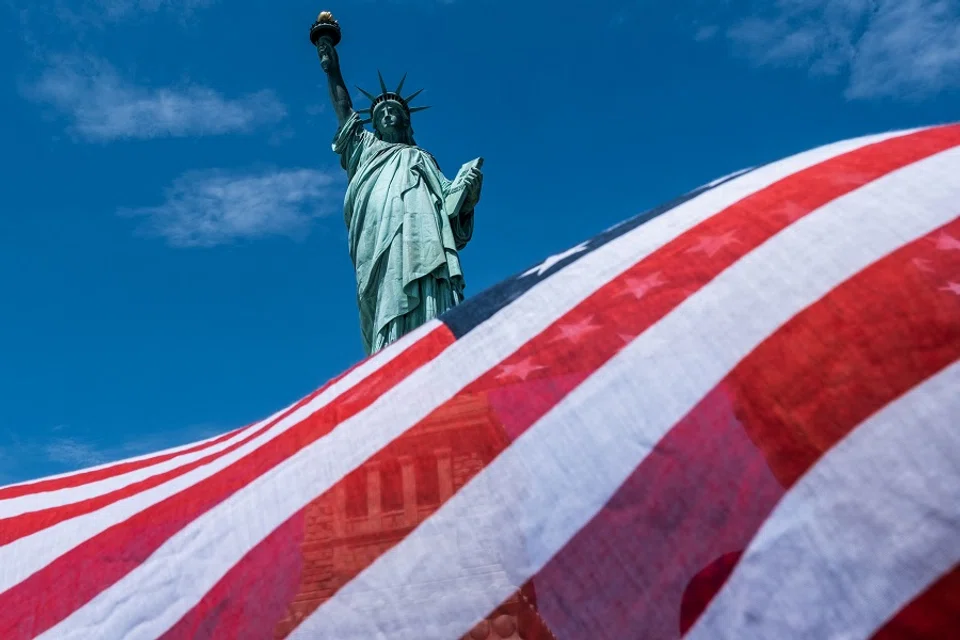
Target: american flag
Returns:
[[735, 416]]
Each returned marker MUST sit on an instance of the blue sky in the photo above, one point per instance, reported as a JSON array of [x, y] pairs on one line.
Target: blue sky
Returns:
[[172, 251]]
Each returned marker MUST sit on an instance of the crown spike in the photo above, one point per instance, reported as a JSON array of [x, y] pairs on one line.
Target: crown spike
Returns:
[[400, 86], [415, 109], [383, 85], [412, 95], [369, 95], [367, 121]]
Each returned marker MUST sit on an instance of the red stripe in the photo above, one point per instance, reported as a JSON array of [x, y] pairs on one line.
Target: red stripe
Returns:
[[23, 525], [933, 615], [703, 587], [668, 539], [94, 475], [234, 603], [254, 605], [73, 579], [566, 363], [20, 526]]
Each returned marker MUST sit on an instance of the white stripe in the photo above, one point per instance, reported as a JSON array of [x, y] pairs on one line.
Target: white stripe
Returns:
[[25, 556], [12, 507], [734, 174], [148, 600], [865, 531], [534, 497]]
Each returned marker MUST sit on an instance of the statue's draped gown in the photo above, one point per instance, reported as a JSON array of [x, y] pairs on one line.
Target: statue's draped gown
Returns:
[[402, 242]]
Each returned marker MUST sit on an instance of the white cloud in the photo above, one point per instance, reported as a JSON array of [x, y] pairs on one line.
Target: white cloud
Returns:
[[315, 109], [73, 453], [208, 208], [28, 456], [103, 107], [43, 23], [884, 48], [81, 14], [116, 9], [21, 455], [706, 33]]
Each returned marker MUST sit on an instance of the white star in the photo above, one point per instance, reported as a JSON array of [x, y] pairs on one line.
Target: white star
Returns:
[[639, 287], [575, 330], [791, 210], [520, 369], [710, 245], [922, 264], [548, 264], [850, 178], [946, 242], [952, 287]]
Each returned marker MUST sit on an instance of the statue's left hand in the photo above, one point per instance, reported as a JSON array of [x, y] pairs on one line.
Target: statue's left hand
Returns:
[[474, 184]]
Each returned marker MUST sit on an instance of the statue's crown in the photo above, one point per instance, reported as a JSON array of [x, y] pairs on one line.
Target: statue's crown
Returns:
[[389, 96]]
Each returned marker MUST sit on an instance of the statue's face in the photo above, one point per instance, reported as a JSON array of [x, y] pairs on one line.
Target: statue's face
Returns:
[[390, 119]]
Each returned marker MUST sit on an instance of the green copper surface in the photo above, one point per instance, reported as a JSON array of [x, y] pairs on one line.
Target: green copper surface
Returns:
[[406, 221]]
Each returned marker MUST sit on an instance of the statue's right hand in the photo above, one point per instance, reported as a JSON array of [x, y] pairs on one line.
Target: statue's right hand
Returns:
[[329, 60]]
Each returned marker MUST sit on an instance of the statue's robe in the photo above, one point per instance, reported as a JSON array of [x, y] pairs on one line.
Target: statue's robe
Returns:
[[402, 242]]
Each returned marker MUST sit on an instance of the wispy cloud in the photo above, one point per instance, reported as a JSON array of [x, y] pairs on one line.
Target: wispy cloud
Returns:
[[102, 106], [58, 450], [65, 22], [116, 9], [315, 109], [884, 48], [705, 33], [208, 208], [73, 453], [81, 14]]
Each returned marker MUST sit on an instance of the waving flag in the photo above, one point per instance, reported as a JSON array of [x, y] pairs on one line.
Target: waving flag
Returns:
[[735, 416]]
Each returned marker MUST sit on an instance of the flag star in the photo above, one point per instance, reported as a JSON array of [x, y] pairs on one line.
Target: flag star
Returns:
[[952, 287], [575, 330], [922, 264], [710, 245], [520, 369], [850, 178], [639, 287], [791, 211], [549, 263], [946, 242]]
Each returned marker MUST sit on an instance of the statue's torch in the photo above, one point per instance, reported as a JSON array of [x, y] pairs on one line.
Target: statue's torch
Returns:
[[325, 27]]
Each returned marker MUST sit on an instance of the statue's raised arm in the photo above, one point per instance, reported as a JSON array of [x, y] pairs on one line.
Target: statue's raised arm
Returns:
[[325, 34]]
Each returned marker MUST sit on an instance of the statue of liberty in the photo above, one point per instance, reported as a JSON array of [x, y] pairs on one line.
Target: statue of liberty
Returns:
[[405, 220]]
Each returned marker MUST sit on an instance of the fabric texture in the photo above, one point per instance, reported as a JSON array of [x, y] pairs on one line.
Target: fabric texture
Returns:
[[734, 416]]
